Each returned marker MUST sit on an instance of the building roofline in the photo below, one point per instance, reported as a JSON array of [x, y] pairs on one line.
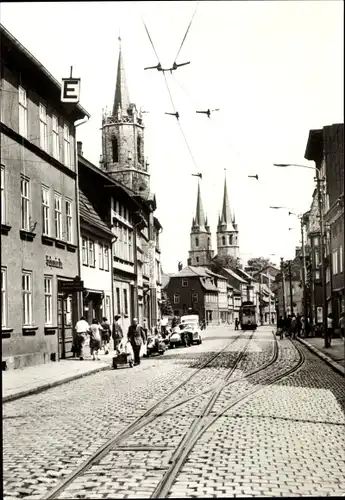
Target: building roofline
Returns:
[[40, 67]]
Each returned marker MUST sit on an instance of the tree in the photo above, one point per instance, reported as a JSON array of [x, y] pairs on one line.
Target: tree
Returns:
[[227, 261], [259, 263]]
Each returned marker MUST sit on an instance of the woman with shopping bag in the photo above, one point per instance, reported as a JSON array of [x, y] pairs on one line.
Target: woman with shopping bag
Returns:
[[136, 336]]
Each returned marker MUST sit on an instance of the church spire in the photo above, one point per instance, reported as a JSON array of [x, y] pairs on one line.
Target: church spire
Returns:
[[226, 216], [199, 215], [121, 91]]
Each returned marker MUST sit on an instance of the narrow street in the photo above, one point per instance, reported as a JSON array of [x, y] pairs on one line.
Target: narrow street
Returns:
[[242, 414]]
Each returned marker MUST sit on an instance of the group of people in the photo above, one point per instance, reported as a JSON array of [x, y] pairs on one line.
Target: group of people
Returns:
[[100, 334], [297, 325]]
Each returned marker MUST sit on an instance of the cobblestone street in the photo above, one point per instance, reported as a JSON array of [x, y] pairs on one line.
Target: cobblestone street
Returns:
[[246, 428]]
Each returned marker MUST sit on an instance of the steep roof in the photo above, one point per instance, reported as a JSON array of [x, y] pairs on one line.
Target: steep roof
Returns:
[[234, 275], [89, 215], [165, 279], [226, 217], [199, 219], [191, 271], [121, 90]]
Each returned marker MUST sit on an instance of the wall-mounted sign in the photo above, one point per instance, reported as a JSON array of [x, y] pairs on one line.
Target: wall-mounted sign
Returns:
[[70, 90], [152, 264], [53, 262]]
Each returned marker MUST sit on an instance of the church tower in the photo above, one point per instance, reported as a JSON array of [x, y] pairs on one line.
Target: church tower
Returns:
[[227, 230], [200, 253], [123, 139]]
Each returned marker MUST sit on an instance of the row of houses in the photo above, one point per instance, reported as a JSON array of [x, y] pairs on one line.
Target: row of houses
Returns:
[[217, 296], [77, 239], [326, 148]]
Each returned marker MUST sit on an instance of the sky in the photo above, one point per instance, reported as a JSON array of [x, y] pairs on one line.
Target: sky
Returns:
[[274, 69]]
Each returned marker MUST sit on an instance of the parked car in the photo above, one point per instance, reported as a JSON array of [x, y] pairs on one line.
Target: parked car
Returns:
[[192, 327], [177, 337]]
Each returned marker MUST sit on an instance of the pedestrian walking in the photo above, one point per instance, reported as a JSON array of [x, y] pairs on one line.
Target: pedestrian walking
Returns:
[[105, 334], [117, 333], [303, 326], [236, 323], [95, 338], [136, 336], [293, 326], [82, 328], [329, 332], [342, 325]]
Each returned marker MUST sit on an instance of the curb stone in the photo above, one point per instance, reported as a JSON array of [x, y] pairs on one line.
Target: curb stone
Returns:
[[336, 366], [49, 385]]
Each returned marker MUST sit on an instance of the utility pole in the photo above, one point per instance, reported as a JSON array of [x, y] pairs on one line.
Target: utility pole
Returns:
[[290, 286], [305, 310], [283, 283], [322, 252]]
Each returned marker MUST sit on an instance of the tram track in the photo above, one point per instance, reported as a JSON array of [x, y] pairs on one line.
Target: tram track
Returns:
[[205, 421], [145, 419]]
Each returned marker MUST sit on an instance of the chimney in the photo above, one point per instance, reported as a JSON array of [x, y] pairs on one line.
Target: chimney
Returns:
[[80, 148]]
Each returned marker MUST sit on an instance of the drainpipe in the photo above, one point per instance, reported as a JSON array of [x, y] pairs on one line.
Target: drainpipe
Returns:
[[80, 301]]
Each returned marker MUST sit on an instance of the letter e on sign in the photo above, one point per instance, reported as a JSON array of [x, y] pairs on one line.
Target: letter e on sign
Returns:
[[70, 90]]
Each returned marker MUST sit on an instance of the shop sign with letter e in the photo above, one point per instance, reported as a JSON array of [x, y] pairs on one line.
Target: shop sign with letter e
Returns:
[[70, 90]]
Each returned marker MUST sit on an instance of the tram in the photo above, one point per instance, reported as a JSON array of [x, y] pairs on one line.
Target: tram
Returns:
[[248, 319]]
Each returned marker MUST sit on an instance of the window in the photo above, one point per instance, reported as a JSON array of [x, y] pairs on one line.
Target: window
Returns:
[[196, 241], [23, 112], [115, 149], [197, 260], [106, 258], [3, 203], [3, 297], [43, 127], [25, 203], [48, 300], [335, 262], [91, 253], [84, 251], [139, 149], [27, 297], [223, 240], [118, 301], [176, 298], [67, 145], [69, 226], [195, 297], [55, 136], [184, 283], [100, 256], [58, 216], [341, 258], [45, 211], [125, 301], [130, 247], [328, 275], [230, 239]]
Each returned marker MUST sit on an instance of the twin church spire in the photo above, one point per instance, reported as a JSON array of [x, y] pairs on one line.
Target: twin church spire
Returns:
[[201, 252]]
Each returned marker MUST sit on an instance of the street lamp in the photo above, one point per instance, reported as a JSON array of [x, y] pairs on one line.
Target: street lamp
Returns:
[[319, 181]]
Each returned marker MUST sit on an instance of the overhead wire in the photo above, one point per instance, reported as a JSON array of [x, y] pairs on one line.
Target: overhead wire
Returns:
[[171, 98], [188, 28]]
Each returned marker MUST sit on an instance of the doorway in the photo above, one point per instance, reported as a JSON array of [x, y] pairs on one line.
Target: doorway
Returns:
[[65, 325]]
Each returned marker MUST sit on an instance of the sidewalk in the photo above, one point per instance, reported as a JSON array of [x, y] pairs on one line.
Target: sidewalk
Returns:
[[31, 380], [334, 355]]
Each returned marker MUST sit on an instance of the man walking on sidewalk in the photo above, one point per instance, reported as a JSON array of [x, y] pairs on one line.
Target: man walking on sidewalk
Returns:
[[82, 328], [136, 336], [117, 333]]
